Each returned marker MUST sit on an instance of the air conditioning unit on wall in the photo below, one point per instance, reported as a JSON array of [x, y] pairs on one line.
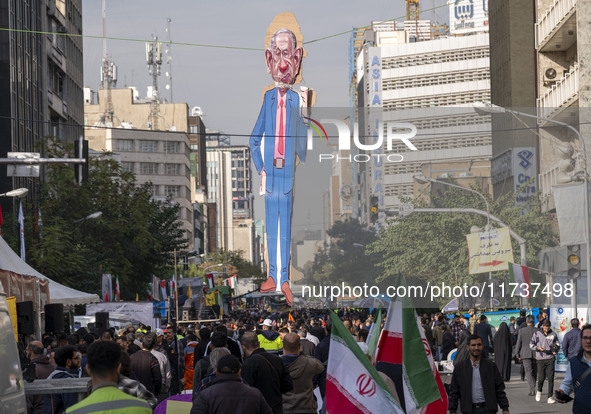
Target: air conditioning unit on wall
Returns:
[[551, 75]]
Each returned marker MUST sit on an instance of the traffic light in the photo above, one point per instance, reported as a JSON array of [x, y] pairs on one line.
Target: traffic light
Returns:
[[373, 209], [573, 257], [186, 263]]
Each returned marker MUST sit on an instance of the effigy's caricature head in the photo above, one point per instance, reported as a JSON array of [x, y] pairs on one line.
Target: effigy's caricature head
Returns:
[[283, 57]]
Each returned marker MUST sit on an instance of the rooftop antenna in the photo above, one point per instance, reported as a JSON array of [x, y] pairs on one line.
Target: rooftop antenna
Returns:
[[154, 62], [168, 52], [108, 75]]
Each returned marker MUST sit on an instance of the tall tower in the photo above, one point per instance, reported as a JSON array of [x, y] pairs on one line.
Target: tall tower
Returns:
[[108, 76], [154, 62]]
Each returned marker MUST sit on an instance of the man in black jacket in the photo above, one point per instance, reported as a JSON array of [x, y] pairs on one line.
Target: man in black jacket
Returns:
[[484, 330], [227, 393], [525, 354], [477, 383], [265, 371], [146, 367]]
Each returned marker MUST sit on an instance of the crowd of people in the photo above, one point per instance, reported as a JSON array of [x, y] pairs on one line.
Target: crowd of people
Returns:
[[253, 362], [528, 341]]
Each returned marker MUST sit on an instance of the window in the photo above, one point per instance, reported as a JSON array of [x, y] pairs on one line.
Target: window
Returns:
[[127, 167], [124, 145], [172, 146], [172, 169], [172, 190], [148, 168], [148, 146]]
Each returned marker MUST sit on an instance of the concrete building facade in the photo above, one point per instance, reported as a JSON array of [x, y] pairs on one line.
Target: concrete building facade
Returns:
[[513, 85], [41, 77], [431, 85], [161, 157]]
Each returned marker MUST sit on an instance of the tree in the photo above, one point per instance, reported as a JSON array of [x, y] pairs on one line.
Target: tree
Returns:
[[233, 263], [429, 247], [345, 259], [134, 238]]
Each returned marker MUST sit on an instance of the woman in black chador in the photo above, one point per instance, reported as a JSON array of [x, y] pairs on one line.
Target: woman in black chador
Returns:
[[503, 346]]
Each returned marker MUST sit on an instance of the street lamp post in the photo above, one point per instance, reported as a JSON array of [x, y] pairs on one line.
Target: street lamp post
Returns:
[[19, 192], [488, 108], [93, 216], [421, 179]]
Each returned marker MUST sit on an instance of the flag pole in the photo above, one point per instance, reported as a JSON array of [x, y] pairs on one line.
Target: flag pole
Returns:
[[176, 299]]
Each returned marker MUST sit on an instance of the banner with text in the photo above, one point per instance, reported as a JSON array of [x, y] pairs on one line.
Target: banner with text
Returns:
[[489, 251]]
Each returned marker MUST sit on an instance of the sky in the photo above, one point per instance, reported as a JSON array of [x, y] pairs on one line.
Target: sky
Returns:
[[227, 81]]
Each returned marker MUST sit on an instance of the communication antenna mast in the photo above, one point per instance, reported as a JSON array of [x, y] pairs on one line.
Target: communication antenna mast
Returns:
[[154, 62], [108, 75], [168, 52]]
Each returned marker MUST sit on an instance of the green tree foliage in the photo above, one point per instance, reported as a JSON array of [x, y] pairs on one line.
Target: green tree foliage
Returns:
[[134, 238], [432, 246], [233, 263], [346, 259]]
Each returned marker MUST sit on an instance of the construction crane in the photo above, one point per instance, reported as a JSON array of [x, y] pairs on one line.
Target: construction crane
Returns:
[[412, 14], [412, 10]]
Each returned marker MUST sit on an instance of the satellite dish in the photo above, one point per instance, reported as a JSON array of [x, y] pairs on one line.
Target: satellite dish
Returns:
[[196, 111]]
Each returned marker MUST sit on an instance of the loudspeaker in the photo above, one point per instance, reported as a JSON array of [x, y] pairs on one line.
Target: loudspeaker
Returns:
[[101, 322], [54, 318], [25, 318]]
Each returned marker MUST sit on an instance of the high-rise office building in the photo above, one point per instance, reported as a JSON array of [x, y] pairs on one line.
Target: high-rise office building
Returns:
[[41, 77]]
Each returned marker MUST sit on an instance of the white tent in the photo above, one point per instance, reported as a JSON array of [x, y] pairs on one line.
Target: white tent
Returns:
[[11, 262]]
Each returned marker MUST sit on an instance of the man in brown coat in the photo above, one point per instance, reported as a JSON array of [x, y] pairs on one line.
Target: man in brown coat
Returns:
[[42, 367], [302, 369]]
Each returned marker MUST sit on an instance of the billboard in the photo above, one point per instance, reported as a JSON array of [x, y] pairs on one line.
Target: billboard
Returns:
[[468, 16]]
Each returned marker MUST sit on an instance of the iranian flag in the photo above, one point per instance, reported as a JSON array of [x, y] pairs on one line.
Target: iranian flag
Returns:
[[520, 274], [353, 385], [407, 359], [232, 282]]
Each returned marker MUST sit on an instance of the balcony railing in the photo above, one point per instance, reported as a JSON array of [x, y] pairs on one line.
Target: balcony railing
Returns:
[[547, 179], [564, 91], [553, 17]]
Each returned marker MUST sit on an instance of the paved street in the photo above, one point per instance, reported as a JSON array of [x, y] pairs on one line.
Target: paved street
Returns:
[[521, 403]]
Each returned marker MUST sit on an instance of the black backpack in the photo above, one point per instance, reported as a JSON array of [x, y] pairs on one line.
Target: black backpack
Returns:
[[30, 372]]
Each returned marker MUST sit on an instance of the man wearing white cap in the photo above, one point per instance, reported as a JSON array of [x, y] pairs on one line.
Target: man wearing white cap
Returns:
[[269, 339], [164, 366]]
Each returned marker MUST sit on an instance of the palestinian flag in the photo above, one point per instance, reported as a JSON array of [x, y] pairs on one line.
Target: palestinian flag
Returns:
[[520, 274], [408, 361], [353, 385], [209, 277], [163, 291]]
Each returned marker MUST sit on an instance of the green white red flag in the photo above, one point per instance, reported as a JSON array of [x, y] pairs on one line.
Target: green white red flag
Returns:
[[405, 356], [232, 282], [520, 275], [353, 385], [117, 290]]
